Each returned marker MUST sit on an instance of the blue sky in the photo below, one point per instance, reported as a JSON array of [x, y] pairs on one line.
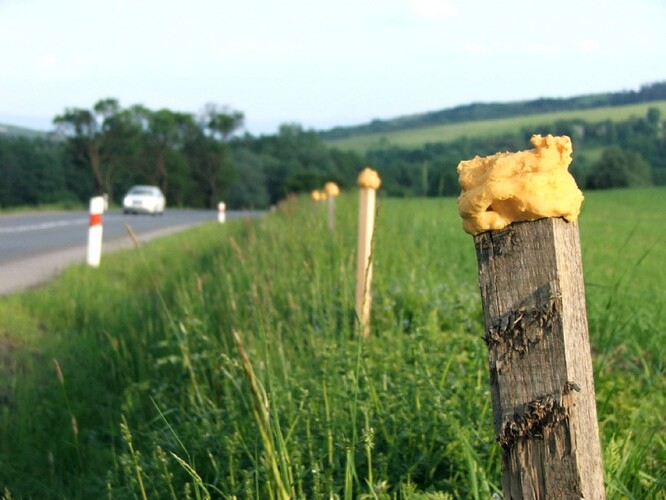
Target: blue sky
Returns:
[[319, 64]]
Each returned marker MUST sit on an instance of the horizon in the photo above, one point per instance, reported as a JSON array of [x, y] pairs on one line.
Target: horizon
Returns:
[[18, 123], [318, 65]]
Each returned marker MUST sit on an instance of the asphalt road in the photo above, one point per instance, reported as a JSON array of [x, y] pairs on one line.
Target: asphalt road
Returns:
[[35, 247]]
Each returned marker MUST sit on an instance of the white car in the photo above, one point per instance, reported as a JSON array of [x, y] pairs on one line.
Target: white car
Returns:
[[144, 199]]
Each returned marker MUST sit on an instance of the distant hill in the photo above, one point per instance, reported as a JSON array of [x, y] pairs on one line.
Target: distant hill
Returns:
[[14, 131], [546, 122], [494, 110]]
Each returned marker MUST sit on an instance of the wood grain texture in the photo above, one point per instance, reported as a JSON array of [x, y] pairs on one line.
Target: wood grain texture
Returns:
[[531, 281], [366, 225]]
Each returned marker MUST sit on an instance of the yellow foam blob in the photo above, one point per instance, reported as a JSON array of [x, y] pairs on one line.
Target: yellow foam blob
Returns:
[[524, 186], [331, 189], [369, 178], [317, 195]]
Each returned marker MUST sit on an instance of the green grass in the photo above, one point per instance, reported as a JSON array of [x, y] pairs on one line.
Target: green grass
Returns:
[[44, 207], [486, 128], [222, 362]]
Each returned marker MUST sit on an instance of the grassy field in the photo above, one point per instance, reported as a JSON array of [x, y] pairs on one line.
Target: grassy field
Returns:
[[222, 362], [484, 128]]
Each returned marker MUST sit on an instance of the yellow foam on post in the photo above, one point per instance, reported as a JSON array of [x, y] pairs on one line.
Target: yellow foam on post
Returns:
[[369, 178], [524, 186], [317, 195], [331, 189]]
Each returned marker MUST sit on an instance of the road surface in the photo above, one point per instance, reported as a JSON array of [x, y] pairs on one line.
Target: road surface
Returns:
[[35, 247]]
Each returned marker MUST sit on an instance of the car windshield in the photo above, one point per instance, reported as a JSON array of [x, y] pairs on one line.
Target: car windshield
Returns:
[[147, 191]]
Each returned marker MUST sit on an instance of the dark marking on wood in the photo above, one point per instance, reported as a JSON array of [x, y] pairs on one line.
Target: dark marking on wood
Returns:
[[536, 416], [503, 240], [524, 326]]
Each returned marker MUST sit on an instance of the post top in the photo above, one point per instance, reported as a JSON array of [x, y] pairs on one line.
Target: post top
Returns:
[[331, 189], [524, 186], [369, 178], [97, 205], [317, 195]]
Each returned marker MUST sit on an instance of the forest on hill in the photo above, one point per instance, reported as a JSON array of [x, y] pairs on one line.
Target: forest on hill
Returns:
[[497, 110], [201, 160]]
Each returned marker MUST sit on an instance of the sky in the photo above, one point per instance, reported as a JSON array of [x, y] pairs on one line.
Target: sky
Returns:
[[319, 64]]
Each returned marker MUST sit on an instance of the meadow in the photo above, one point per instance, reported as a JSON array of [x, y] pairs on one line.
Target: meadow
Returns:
[[417, 137], [222, 362]]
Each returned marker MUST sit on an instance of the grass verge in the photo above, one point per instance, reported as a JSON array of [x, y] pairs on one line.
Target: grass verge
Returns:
[[222, 362]]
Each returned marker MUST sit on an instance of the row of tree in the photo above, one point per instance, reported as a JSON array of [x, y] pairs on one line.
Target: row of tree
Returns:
[[606, 154], [496, 110], [196, 160], [118, 147], [199, 161]]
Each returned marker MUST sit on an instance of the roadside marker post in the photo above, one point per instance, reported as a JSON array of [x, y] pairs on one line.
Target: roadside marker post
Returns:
[[368, 182], [221, 212], [94, 255]]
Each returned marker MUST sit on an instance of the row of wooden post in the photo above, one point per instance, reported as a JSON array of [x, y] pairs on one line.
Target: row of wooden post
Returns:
[[368, 182], [542, 387]]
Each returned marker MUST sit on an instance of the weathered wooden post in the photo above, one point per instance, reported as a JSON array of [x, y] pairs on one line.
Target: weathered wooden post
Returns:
[[316, 195], [369, 182], [521, 209], [332, 191]]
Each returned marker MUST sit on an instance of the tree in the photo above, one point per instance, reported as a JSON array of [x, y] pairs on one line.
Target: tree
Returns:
[[91, 135], [250, 186], [619, 168], [222, 122], [32, 172], [210, 156], [166, 133], [653, 116]]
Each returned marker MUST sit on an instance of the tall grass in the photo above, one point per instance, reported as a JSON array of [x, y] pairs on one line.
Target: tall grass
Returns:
[[625, 276], [222, 362]]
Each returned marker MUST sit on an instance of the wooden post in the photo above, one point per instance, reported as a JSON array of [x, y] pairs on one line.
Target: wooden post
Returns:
[[369, 182], [332, 191], [542, 387], [316, 197]]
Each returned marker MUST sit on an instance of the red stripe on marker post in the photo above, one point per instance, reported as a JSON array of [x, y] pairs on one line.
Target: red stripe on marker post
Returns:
[[95, 220]]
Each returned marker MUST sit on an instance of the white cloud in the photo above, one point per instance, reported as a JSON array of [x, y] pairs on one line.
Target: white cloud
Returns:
[[474, 47], [240, 49], [47, 62], [435, 9], [589, 46]]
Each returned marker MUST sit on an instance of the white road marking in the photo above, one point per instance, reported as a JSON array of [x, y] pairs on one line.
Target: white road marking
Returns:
[[42, 226]]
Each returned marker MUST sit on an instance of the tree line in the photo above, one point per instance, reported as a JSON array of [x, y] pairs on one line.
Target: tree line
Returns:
[[606, 154], [196, 160], [201, 160], [495, 110]]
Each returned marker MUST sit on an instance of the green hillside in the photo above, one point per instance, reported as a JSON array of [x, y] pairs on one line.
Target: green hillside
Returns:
[[12, 130], [415, 137]]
